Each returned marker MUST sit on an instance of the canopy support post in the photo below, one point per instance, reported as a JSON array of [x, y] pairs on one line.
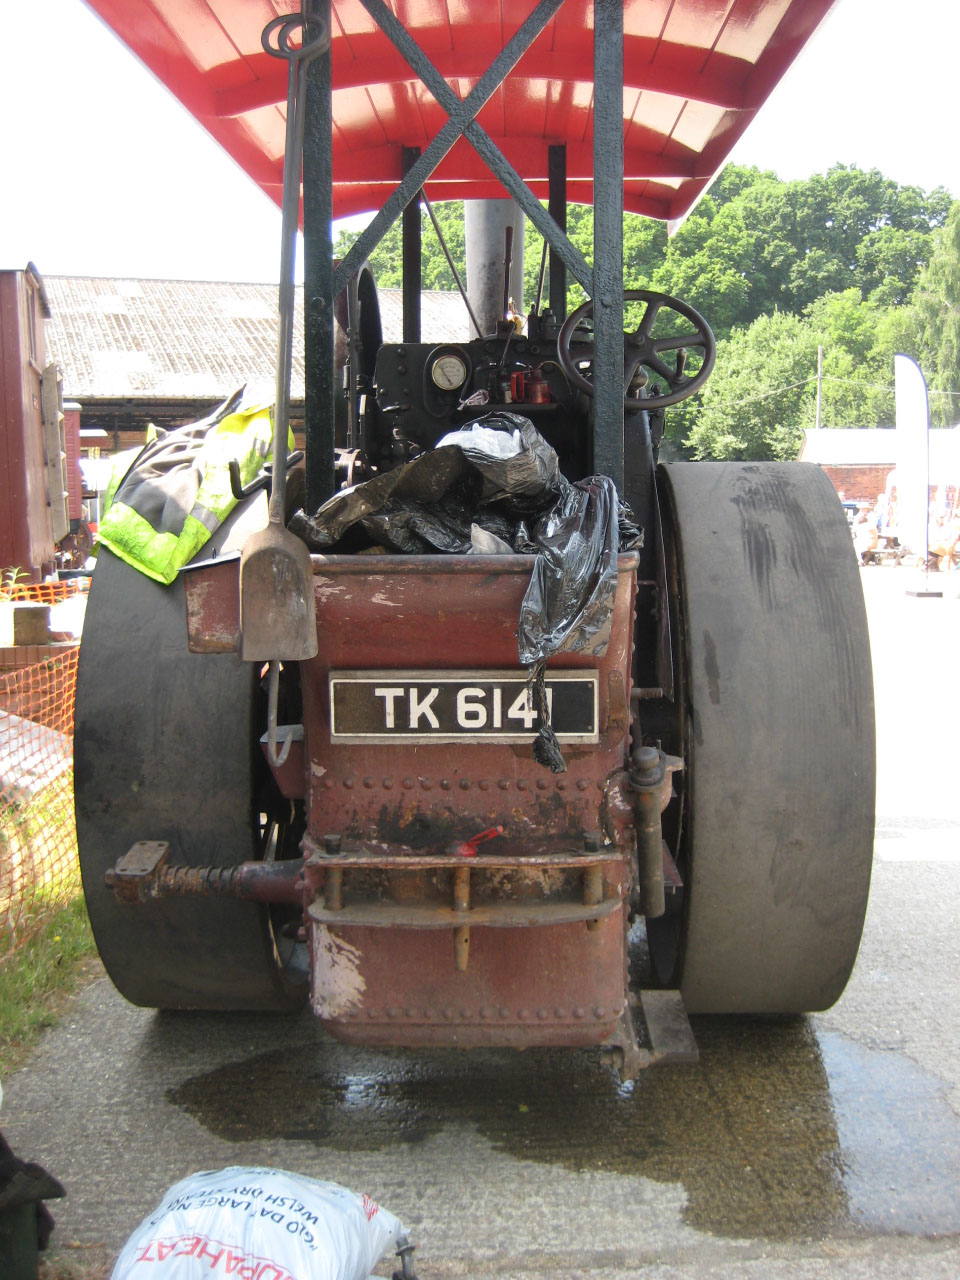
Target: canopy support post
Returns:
[[608, 239], [412, 256], [557, 208], [318, 272]]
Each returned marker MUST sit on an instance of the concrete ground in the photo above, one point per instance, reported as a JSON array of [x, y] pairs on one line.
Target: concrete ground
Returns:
[[825, 1146]]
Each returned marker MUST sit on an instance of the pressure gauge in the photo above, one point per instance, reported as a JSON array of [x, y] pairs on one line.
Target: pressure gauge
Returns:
[[449, 372]]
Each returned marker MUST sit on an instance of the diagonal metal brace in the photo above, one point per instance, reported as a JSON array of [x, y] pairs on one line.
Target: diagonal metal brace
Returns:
[[481, 142], [462, 122]]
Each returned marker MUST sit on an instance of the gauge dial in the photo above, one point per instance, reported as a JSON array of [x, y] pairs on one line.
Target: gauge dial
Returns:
[[448, 372]]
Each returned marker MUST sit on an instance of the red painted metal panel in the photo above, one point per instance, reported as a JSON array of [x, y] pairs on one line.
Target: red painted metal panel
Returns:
[[26, 536], [442, 614], [557, 985], [698, 71]]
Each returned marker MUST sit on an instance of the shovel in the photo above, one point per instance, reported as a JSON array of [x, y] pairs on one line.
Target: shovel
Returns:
[[278, 620]]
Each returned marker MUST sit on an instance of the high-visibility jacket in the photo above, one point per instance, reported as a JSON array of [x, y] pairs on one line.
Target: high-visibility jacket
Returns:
[[177, 492]]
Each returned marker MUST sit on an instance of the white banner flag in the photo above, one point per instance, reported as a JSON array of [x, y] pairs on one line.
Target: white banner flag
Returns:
[[913, 459]]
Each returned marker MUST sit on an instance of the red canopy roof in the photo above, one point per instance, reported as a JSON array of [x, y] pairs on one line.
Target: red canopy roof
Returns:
[[695, 72]]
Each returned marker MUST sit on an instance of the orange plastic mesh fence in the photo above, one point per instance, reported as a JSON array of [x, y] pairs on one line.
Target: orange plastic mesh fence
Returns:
[[47, 592], [39, 868]]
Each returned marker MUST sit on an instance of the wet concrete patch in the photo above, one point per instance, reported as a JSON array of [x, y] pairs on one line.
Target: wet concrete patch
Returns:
[[899, 1140], [776, 1134]]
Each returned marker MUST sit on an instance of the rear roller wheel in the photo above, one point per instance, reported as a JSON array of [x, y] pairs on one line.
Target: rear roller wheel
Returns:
[[165, 749], [776, 722]]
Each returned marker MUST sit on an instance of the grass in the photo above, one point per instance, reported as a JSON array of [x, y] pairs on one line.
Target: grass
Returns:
[[36, 981], [78, 1262], [38, 977]]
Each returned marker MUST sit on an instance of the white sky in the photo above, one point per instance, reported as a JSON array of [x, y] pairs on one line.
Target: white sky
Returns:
[[105, 174]]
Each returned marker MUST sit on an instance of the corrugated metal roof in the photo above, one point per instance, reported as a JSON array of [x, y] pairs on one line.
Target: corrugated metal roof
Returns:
[[192, 339]]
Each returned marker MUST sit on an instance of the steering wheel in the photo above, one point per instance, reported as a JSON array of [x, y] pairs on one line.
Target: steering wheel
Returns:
[[642, 351]]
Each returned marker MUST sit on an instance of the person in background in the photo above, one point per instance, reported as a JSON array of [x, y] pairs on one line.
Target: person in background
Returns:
[[943, 540], [866, 537]]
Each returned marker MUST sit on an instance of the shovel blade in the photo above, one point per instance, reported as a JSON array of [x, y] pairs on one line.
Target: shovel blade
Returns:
[[278, 617]]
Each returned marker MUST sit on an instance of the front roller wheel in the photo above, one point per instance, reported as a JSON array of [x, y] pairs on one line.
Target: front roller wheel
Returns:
[[777, 721], [165, 749]]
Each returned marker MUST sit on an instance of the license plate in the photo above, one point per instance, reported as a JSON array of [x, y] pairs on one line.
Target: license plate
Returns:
[[459, 706]]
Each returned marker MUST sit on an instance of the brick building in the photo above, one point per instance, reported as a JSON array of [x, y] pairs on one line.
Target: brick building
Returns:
[[861, 461]]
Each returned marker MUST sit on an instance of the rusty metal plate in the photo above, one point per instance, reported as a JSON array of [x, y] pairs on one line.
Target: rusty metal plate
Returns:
[[558, 985], [213, 605], [451, 614], [668, 1029]]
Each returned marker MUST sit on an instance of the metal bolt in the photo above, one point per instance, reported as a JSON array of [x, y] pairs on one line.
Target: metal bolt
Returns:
[[333, 889], [646, 759], [592, 841], [388, 784], [408, 784], [333, 842]]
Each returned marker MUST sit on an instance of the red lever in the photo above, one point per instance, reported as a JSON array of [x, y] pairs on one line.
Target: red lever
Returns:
[[468, 848]]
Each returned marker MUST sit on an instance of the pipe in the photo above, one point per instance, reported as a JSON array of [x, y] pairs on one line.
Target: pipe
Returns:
[[485, 227]]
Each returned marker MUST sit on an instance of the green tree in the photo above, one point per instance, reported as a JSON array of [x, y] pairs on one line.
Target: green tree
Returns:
[[827, 233], [936, 322], [707, 264], [763, 391], [387, 258], [760, 394], [857, 360]]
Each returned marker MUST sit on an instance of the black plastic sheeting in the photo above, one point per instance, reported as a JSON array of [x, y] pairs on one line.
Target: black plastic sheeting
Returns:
[[496, 486]]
